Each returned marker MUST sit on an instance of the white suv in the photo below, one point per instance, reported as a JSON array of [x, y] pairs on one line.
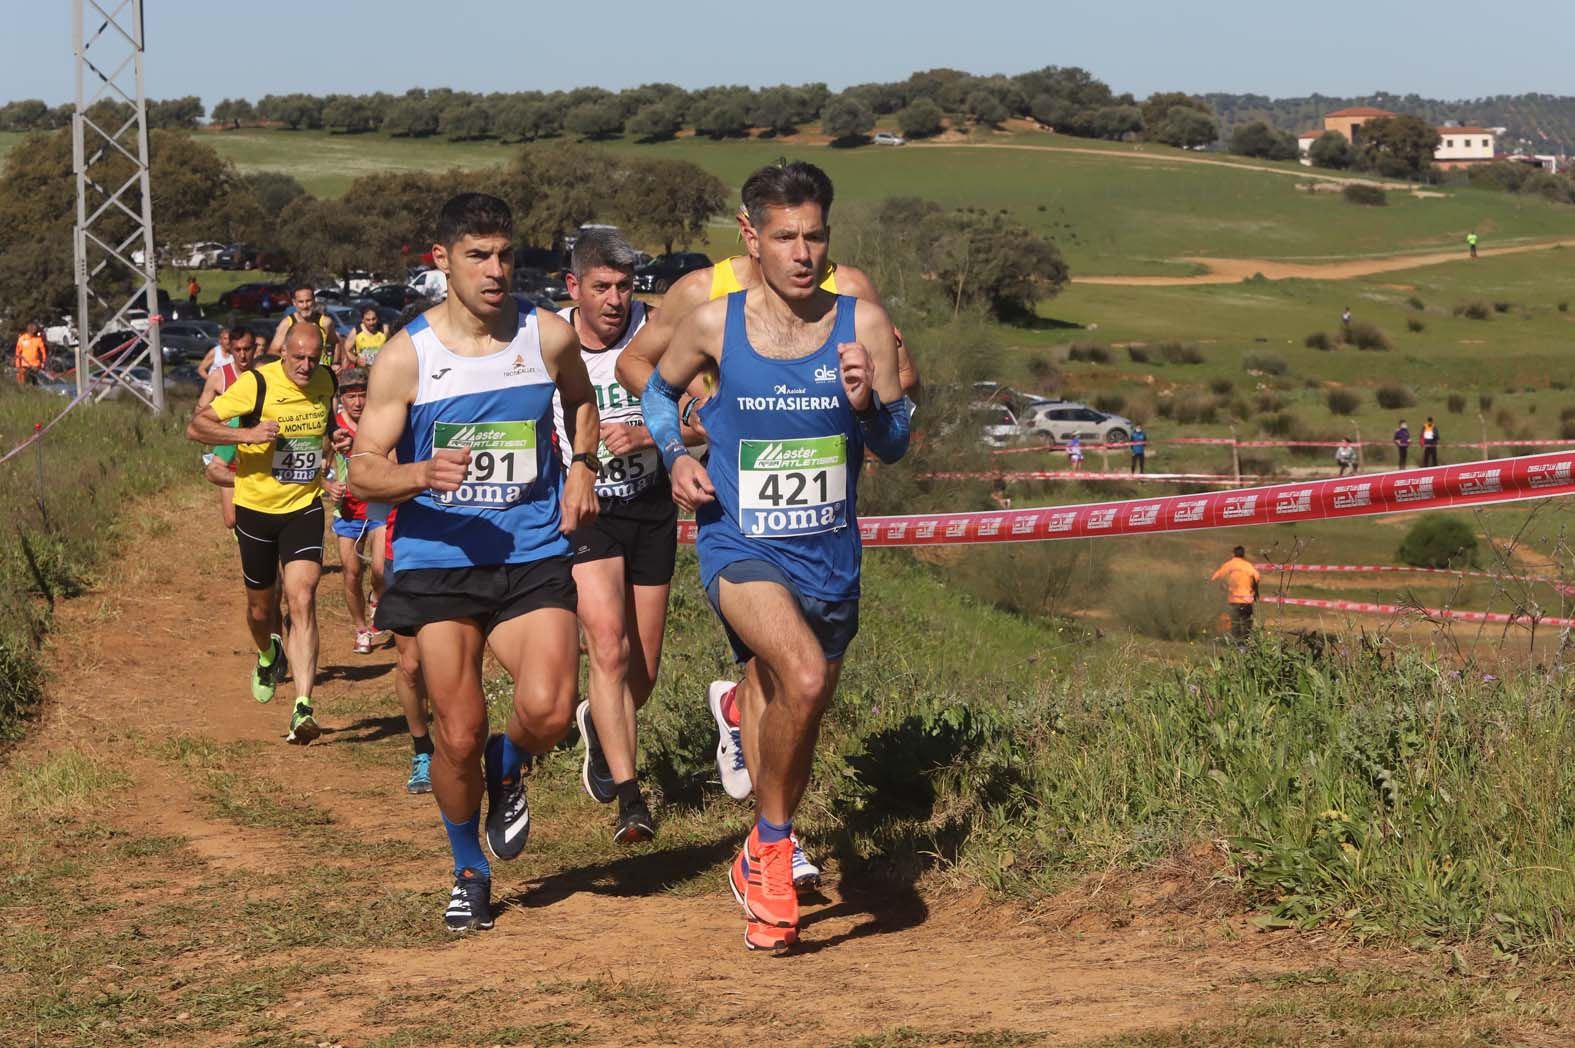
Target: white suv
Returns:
[[886, 138]]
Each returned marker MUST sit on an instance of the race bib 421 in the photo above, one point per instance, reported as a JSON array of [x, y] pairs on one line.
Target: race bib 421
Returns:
[[502, 462], [792, 487]]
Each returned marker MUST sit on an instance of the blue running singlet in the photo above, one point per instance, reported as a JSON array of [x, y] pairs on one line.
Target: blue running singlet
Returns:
[[785, 457], [499, 406]]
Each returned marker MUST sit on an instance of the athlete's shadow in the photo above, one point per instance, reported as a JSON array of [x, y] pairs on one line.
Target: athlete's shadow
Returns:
[[372, 729], [632, 876], [355, 672], [888, 905]]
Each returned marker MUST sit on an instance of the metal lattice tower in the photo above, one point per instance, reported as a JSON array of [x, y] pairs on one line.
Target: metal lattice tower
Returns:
[[114, 214]]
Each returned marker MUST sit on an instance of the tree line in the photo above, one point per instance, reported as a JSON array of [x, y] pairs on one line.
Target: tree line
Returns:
[[953, 260], [1069, 100]]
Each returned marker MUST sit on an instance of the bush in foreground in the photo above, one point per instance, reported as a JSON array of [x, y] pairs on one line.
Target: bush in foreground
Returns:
[[1439, 542], [1365, 195], [1393, 395], [1343, 401]]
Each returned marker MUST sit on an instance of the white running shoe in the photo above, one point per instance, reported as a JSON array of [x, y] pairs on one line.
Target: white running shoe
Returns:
[[729, 745], [806, 875]]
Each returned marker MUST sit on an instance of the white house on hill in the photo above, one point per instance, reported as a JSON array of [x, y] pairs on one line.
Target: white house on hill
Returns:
[[1457, 146]]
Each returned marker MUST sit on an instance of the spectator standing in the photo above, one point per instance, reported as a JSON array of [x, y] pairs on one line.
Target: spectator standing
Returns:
[[193, 289], [1074, 453], [1241, 591], [1345, 323], [1402, 442], [1471, 242], [31, 354], [1139, 449], [1345, 456], [998, 494], [1430, 439]]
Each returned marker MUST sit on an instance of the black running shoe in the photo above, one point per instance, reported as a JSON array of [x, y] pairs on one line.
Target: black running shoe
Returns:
[[469, 904], [594, 773], [508, 811], [635, 824]]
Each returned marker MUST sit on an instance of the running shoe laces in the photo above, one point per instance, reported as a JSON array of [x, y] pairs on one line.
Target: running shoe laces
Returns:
[[469, 904], [420, 774]]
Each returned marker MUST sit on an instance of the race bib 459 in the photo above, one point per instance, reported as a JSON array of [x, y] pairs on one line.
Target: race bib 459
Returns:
[[502, 462], [297, 460], [792, 487]]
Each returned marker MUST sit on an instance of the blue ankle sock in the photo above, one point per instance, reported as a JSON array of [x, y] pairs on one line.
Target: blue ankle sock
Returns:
[[513, 759], [769, 832], [464, 840]]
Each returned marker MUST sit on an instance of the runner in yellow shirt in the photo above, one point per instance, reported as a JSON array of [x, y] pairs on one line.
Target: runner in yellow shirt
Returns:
[[284, 438]]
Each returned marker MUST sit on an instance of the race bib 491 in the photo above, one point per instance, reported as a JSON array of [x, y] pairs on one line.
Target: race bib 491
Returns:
[[502, 462], [792, 487]]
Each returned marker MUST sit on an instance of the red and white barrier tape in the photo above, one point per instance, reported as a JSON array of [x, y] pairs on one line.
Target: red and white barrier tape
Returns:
[[1227, 442], [1439, 487], [39, 431], [1367, 608], [1565, 588], [1067, 474]]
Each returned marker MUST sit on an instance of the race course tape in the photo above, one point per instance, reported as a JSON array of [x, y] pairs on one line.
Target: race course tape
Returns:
[[1067, 474], [1440, 487], [1365, 608], [38, 434], [1228, 442]]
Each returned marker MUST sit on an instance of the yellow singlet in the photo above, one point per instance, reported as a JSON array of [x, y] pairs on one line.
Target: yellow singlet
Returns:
[[283, 475], [367, 344], [724, 279]]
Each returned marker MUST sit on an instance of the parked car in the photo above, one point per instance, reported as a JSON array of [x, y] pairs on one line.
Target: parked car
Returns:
[[256, 298], [62, 333], [201, 255], [660, 273], [886, 138], [263, 328], [387, 314], [182, 310], [998, 424], [430, 283], [1060, 420], [111, 346], [187, 339], [538, 283]]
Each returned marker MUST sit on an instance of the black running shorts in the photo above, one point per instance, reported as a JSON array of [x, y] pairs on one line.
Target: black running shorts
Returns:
[[490, 595], [268, 540], [643, 531]]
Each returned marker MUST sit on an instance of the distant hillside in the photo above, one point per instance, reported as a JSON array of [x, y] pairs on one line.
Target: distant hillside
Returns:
[[1536, 123]]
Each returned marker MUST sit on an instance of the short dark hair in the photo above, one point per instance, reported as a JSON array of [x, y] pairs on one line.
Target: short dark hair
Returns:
[[473, 214], [240, 332], [786, 184], [304, 286], [1239, 551], [598, 248]]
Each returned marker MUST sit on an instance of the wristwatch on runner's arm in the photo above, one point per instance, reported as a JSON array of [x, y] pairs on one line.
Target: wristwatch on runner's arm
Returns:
[[590, 460]]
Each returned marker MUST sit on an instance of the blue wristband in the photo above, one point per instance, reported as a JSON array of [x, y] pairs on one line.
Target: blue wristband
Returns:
[[659, 405]]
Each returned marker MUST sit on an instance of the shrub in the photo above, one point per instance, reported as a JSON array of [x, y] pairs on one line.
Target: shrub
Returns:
[[1166, 608], [1484, 402], [1268, 400], [1221, 386], [1180, 353], [1138, 354], [1279, 424], [1439, 542], [1267, 363], [1113, 403], [1343, 401], [1367, 336], [1043, 370], [1474, 311], [1505, 418], [1457, 403], [1393, 395], [1089, 353], [1319, 340], [1415, 326], [1195, 407], [1502, 307], [1166, 407], [1366, 195], [1567, 412], [1415, 303], [1567, 429], [1564, 307]]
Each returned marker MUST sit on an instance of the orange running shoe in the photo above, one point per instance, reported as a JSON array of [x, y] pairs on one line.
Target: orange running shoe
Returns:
[[769, 895], [758, 936]]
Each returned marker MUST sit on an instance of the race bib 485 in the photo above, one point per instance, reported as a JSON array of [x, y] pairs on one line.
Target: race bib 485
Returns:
[[792, 487], [502, 462]]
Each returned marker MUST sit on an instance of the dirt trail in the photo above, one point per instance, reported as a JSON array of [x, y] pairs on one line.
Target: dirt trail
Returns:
[[1142, 157], [159, 653], [1235, 270]]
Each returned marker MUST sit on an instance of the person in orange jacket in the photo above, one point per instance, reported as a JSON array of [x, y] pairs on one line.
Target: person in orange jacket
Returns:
[[31, 353], [1241, 591]]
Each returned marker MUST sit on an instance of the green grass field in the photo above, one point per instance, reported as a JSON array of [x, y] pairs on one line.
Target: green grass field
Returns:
[[1112, 208]]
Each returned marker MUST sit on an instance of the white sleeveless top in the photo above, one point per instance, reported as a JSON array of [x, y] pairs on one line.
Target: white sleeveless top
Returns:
[[626, 476]]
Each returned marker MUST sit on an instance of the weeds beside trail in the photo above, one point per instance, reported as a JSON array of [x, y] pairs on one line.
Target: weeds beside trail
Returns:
[[99, 458]]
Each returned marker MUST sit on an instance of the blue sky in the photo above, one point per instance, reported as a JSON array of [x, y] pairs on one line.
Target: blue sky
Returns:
[[1446, 49]]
